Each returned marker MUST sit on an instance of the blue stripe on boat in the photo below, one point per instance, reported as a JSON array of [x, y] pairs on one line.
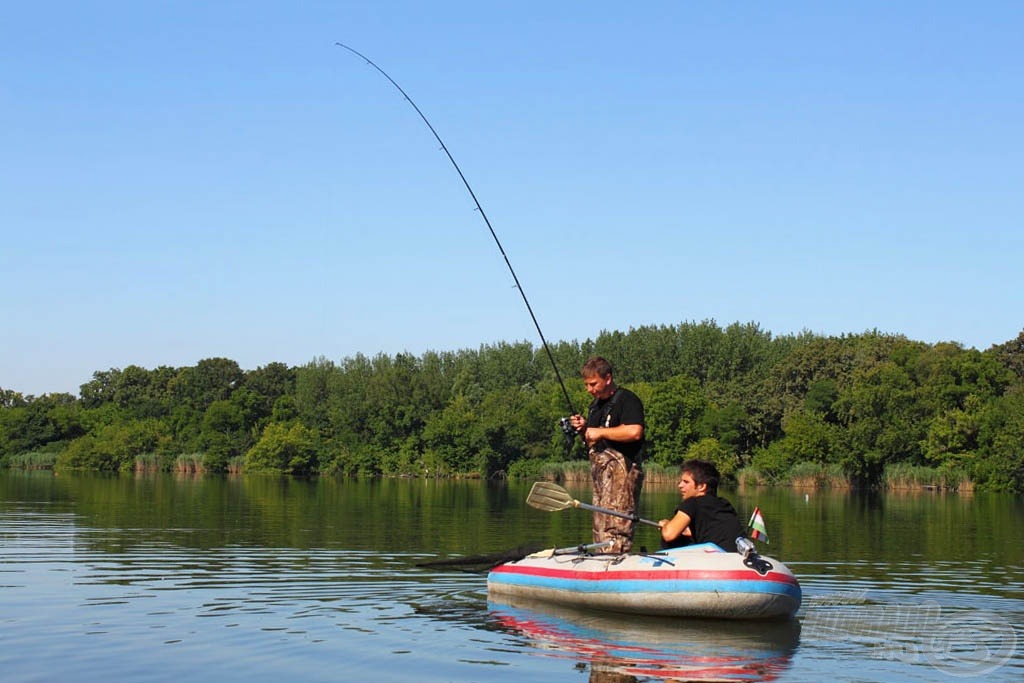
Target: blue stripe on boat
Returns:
[[640, 586]]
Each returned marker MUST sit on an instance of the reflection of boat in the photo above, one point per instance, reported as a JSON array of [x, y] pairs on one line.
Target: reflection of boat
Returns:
[[614, 646], [694, 581]]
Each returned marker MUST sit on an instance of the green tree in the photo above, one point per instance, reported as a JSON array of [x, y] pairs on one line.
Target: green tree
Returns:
[[11, 399], [212, 379], [820, 399], [100, 389], [808, 437], [712, 450], [883, 421], [37, 422], [223, 435], [998, 464], [313, 384], [952, 436], [1011, 355], [455, 438], [673, 413], [283, 449], [728, 424], [948, 376], [267, 385]]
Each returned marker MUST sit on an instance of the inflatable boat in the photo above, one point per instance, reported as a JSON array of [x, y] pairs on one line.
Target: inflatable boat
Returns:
[[700, 581]]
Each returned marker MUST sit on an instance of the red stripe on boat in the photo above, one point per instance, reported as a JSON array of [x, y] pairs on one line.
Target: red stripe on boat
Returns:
[[647, 575]]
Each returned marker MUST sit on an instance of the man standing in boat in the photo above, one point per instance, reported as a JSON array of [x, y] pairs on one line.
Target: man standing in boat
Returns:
[[614, 433]]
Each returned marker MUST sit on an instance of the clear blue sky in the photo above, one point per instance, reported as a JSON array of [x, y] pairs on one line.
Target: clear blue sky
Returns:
[[186, 180]]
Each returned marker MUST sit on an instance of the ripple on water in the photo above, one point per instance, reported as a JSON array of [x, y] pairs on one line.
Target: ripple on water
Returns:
[[121, 604], [261, 580], [961, 618]]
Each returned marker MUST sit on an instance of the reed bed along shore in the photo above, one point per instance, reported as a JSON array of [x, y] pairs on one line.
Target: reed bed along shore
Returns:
[[37, 460], [901, 477], [802, 475]]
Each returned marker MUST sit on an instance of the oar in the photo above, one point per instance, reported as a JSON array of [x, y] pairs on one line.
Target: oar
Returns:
[[552, 498], [477, 563]]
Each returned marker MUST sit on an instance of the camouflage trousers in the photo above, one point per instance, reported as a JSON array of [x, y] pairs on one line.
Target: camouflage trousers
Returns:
[[617, 483]]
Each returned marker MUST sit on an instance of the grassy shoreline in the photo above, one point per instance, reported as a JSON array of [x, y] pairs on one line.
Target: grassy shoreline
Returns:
[[901, 477]]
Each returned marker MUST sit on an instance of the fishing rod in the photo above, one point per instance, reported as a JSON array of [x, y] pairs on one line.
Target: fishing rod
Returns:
[[515, 278]]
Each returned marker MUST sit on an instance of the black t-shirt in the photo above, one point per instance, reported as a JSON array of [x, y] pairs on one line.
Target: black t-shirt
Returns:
[[714, 520], [623, 407]]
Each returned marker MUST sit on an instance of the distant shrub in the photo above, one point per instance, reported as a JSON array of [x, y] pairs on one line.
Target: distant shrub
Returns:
[[346, 461], [114, 447], [532, 468], [772, 463], [283, 449]]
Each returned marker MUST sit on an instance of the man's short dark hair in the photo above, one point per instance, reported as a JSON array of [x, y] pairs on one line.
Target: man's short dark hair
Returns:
[[596, 366], [703, 472]]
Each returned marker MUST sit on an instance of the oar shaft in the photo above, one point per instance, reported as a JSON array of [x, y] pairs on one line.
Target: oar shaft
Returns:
[[573, 550], [582, 548], [615, 513]]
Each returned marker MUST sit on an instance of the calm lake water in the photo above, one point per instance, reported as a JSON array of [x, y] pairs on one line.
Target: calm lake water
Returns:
[[165, 578]]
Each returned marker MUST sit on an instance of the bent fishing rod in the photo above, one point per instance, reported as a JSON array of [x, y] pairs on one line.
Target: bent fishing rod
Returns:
[[483, 214]]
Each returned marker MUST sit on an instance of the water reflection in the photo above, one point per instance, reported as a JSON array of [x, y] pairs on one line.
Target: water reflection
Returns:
[[622, 648], [291, 577]]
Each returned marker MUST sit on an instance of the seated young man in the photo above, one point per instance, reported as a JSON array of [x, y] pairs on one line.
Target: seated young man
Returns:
[[702, 516]]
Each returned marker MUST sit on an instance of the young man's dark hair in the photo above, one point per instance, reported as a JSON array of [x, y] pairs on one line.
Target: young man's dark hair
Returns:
[[703, 472]]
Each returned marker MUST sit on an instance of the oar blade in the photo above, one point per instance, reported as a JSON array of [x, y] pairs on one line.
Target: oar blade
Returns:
[[549, 497]]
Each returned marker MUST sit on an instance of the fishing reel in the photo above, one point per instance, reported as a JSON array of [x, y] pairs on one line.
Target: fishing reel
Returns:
[[569, 432]]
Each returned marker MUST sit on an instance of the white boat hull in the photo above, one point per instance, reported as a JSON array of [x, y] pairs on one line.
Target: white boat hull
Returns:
[[695, 581]]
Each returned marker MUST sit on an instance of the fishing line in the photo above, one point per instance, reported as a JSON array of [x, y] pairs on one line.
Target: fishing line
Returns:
[[483, 214]]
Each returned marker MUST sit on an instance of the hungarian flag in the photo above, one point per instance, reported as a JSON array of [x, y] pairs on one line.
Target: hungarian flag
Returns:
[[758, 532]]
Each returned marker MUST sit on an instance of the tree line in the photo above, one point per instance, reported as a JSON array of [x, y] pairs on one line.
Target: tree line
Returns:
[[853, 405]]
